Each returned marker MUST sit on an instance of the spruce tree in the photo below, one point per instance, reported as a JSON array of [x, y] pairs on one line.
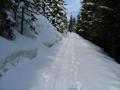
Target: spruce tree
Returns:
[[72, 24], [99, 21], [70, 27], [57, 14], [6, 19]]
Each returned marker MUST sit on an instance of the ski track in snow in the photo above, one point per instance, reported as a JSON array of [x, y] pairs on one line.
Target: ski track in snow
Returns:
[[62, 71], [76, 65]]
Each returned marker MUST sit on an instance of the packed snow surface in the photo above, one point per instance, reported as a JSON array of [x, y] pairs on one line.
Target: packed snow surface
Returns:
[[71, 64]]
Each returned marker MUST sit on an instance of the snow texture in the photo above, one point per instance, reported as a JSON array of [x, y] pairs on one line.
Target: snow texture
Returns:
[[71, 64], [26, 47], [105, 7], [89, 3]]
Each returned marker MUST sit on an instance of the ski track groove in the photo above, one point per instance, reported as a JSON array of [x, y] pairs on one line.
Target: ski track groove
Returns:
[[66, 69], [63, 67]]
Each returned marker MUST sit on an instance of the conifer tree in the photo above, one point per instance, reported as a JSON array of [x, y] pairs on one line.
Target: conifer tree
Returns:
[[70, 27], [21, 14], [57, 14], [72, 24], [6, 20], [99, 21]]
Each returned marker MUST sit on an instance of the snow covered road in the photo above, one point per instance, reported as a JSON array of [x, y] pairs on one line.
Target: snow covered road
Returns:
[[73, 64]]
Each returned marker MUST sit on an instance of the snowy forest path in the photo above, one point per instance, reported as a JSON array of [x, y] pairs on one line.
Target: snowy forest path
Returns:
[[76, 64], [62, 70], [71, 64]]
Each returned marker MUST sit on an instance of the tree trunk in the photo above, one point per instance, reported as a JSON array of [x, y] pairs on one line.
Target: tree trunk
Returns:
[[22, 21]]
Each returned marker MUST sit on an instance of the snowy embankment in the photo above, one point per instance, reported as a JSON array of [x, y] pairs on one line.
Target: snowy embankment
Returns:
[[28, 45], [71, 64]]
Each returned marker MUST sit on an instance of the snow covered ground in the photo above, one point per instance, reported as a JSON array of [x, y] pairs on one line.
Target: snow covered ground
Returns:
[[28, 45], [71, 64]]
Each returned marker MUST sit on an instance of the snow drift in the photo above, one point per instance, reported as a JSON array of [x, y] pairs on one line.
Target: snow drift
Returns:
[[27, 45]]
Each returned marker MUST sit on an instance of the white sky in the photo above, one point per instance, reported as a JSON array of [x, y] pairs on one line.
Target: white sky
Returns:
[[73, 7]]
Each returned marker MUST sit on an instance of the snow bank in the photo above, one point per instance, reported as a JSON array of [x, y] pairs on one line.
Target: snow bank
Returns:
[[28, 45], [47, 32], [11, 50]]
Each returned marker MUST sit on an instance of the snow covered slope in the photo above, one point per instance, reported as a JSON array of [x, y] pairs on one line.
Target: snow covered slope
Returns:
[[72, 64], [27, 45]]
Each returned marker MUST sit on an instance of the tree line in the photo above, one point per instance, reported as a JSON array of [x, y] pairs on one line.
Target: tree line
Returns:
[[18, 13], [99, 22]]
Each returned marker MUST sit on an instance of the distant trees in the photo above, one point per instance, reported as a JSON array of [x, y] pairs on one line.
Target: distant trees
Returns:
[[19, 13], [72, 24], [99, 22]]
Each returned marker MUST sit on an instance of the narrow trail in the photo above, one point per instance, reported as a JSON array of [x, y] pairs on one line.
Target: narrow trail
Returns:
[[76, 65], [62, 71]]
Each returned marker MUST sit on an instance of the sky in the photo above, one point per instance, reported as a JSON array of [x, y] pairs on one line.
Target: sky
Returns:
[[73, 7]]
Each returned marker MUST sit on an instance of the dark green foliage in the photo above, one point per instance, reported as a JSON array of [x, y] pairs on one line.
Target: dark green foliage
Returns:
[[10, 11], [19, 13], [72, 24], [6, 23], [57, 14], [70, 27], [99, 22]]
